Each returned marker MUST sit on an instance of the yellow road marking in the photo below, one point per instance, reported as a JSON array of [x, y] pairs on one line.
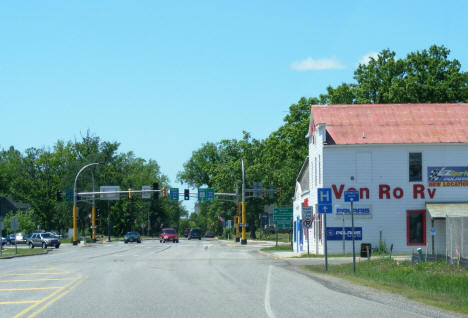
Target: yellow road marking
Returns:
[[29, 288], [35, 280], [32, 274], [34, 314], [45, 299], [19, 302]]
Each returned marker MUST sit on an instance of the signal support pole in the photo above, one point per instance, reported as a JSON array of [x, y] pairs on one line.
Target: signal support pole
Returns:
[[244, 239], [75, 208]]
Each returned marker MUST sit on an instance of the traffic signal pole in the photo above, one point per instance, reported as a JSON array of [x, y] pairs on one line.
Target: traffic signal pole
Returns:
[[244, 221], [75, 208]]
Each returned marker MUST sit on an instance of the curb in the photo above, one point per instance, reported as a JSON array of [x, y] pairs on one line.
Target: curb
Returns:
[[25, 255]]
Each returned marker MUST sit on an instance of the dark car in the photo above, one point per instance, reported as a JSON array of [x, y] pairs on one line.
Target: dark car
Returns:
[[209, 234], [11, 238], [194, 234], [43, 240], [168, 235], [132, 237]]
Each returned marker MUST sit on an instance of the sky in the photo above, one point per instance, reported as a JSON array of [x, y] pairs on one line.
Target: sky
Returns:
[[164, 77]]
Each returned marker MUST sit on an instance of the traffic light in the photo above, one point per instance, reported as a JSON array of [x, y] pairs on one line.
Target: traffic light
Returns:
[[59, 195], [186, 194], [130, 193], [164, 192], [156, 193]]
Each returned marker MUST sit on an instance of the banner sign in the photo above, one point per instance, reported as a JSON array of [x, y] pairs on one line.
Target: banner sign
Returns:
[[336, 233], [447, 176], [359, 210]]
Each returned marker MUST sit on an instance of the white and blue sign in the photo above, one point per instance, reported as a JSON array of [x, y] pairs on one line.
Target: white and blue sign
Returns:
[[325, 209], [363, 210], [336, 233], [324, 196], [351, 196]]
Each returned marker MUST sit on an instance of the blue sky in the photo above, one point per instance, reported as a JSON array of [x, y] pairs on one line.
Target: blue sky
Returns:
[[162, 78]]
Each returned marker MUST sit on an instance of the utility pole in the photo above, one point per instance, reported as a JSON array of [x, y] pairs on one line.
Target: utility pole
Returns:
[[244, 221]]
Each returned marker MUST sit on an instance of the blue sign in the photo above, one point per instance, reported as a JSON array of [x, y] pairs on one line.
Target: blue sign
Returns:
[[325, 208], [336, 233], [324, 196], [351, 196]]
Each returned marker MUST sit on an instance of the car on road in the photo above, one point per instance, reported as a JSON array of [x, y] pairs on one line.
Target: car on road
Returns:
[[167, 235], [132, 237], [209, 234], [186, 232], [194, 234], [4, 240], [43, 240]]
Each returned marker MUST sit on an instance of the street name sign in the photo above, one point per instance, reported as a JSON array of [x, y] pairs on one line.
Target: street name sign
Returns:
[[109, 196], [205, 194], [145, 195]]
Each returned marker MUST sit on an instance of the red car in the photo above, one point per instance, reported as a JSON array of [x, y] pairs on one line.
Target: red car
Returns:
[[168, 234]]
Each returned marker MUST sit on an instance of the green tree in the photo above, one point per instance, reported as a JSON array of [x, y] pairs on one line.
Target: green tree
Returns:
[[426, 76]]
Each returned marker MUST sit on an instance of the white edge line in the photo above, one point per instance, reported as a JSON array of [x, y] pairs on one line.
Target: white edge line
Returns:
[[267, 295]]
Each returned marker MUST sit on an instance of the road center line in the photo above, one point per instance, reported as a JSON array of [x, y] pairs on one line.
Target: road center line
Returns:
[[267, 295], [36, 280], [19, 302]]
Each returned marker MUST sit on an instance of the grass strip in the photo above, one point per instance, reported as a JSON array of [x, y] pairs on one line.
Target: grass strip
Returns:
[[434, 283], [21, 251], [277, 248]]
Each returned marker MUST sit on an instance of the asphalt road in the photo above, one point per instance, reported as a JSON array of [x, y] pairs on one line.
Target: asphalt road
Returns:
[[204, 278]]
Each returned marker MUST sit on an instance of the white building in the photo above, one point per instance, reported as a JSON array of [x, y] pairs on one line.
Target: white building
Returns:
[[409, 163]]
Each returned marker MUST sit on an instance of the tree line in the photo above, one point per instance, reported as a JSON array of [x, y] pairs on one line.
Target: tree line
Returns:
[[426, 76], [35, 176]]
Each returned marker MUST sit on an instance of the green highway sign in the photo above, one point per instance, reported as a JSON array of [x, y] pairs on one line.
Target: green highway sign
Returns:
[[205, 194], [283, 214], [174, 194]]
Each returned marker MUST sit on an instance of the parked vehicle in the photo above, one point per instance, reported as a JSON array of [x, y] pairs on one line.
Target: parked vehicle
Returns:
[[209, 234], [194, 233], [11, 238], [19, 238], [132, 237], [4, 240], [43, 240], [167, 235], [55, 235], [186, 232]]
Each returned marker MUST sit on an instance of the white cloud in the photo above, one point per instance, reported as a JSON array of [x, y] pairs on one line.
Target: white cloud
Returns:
[[366, 58], [309, 64]]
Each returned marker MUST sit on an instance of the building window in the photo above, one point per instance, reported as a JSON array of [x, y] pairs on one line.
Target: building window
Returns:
[[415, 166], [416, 227]]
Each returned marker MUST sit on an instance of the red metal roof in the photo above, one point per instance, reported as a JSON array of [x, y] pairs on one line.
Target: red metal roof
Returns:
[[392, 123]]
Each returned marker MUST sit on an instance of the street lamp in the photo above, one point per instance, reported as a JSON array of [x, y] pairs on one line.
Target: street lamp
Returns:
[[75, 212]]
